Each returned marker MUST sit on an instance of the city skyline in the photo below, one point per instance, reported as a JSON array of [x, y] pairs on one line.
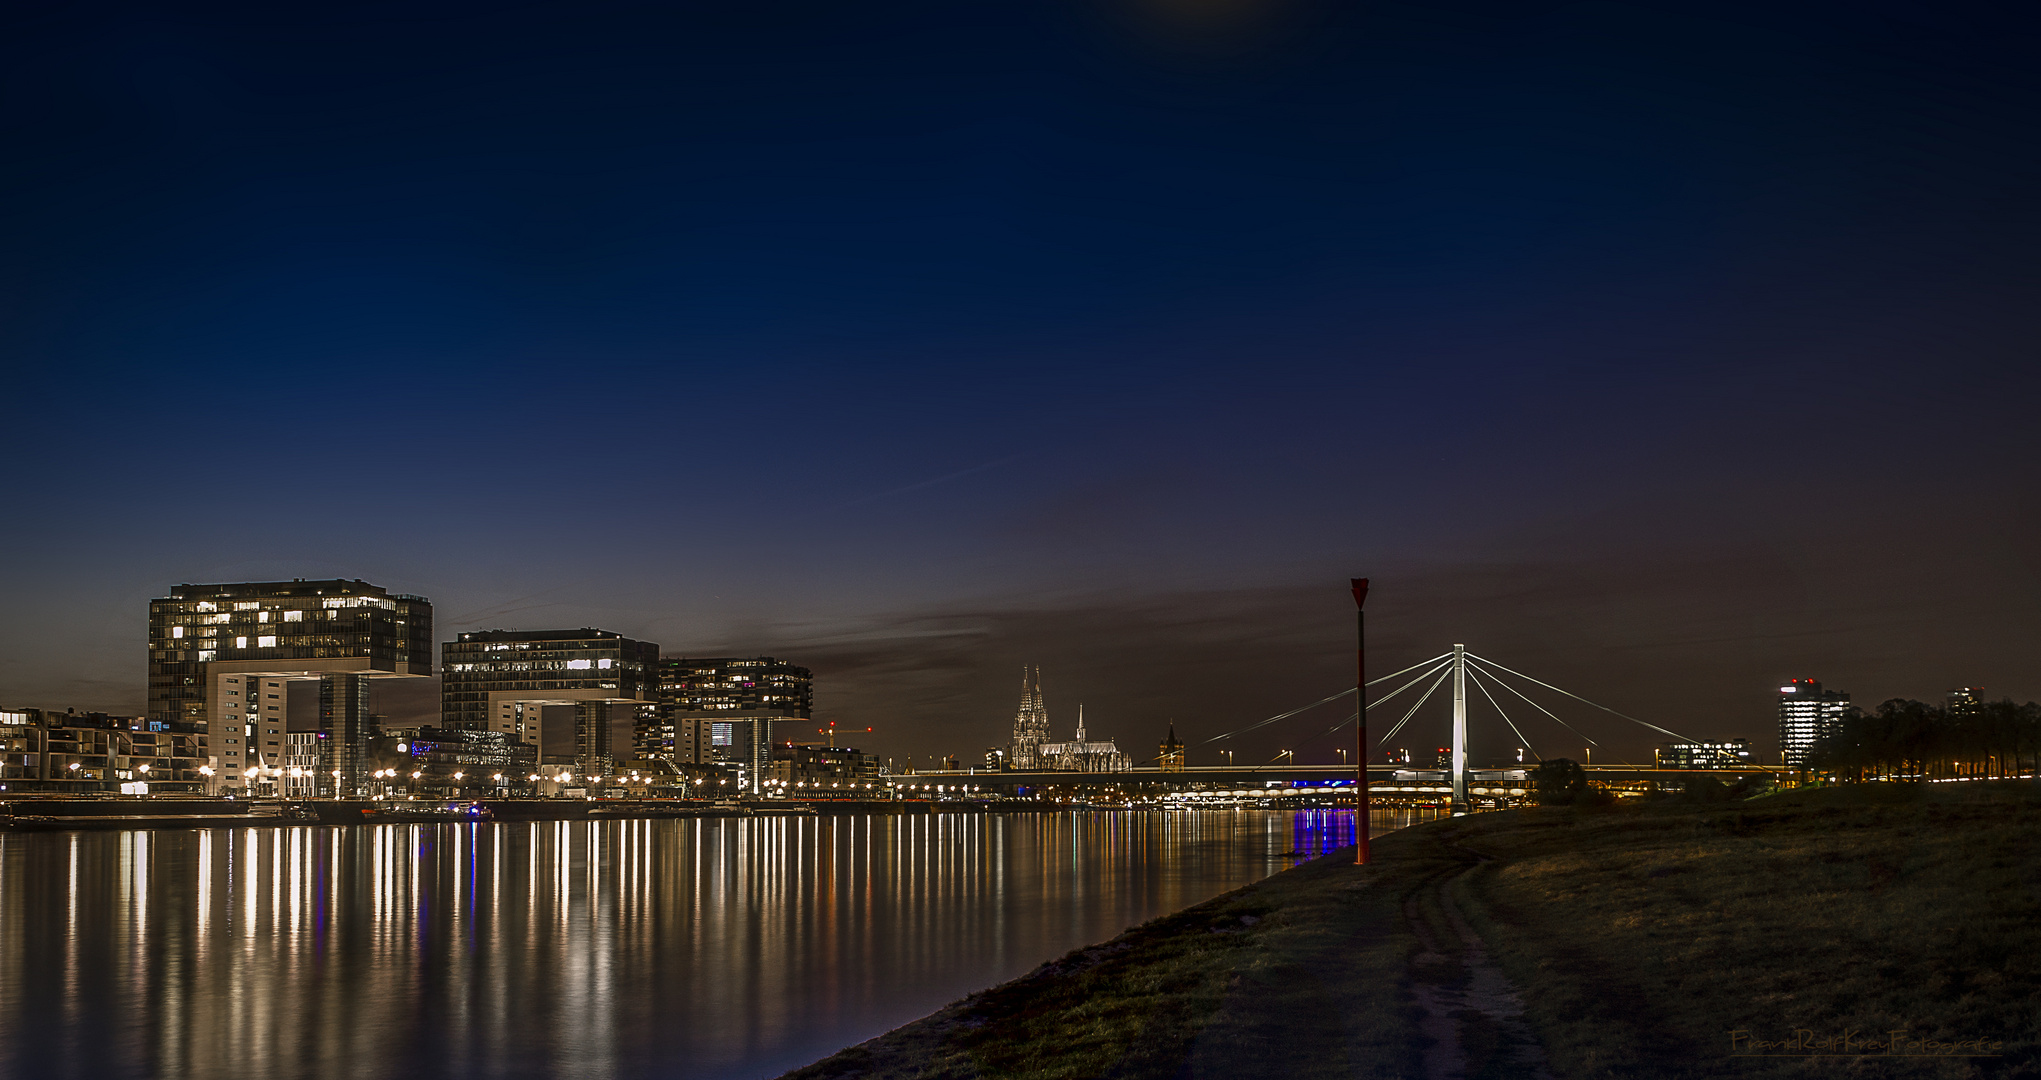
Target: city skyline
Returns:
[[649, 724]]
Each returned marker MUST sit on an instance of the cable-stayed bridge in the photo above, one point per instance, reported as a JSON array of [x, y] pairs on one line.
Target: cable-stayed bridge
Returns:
[[1458, 672]]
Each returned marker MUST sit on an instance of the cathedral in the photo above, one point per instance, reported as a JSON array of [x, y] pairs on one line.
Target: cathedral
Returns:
[[1030, 725], [1032, 750]]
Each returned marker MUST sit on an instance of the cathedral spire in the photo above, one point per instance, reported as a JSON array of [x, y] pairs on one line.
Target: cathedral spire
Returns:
[[1031, 723]]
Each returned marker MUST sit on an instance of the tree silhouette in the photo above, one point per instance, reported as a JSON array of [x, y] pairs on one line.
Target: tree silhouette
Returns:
[[1559, 782]]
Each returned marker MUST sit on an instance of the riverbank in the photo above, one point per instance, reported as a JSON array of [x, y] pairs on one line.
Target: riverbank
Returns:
[[88, 814], [1661, 940]]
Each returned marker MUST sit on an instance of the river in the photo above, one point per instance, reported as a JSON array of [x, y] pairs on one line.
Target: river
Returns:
[[719, 949]]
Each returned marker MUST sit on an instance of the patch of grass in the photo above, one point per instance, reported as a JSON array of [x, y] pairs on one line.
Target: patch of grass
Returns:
[[1644, 938]]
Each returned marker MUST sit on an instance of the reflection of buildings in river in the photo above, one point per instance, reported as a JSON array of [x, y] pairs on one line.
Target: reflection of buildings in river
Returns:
[[741, 947]]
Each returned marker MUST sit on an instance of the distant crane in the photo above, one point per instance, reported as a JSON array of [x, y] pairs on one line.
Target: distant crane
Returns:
[[831, 732]]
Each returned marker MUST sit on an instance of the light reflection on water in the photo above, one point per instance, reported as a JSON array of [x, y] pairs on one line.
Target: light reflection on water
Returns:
[[705, 949]]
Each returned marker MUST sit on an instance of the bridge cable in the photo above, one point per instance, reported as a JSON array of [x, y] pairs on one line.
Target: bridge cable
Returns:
[[1443, 661], [1422, 676], [1411, 668], [1479, 685], [1500, 681], [1585, 701], [1351, 717], [1293, 750], [1322, 701], [1436, 683], [1442, 671], [1279, 716]]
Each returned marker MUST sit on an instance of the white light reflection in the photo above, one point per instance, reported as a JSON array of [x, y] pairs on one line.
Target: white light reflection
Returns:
[[742, 946]]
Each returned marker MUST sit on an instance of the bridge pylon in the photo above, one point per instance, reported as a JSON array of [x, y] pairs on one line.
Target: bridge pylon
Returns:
[[1460, 804]]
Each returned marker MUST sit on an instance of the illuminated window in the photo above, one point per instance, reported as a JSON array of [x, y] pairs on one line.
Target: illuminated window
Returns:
[[262, 616], [266, 641], [247, 605], [581, 665], [207, 605], [240, 643], [602, 663], [177, 631], [294, 616], [206, 654]]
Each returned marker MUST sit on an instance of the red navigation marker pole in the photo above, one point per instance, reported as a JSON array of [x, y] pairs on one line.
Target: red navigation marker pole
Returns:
[[1361, 720]]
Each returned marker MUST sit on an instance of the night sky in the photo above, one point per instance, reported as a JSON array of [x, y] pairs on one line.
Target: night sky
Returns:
[[1663, 351]]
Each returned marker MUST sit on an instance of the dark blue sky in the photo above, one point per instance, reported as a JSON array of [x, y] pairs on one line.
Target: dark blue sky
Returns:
[[1669, 349]]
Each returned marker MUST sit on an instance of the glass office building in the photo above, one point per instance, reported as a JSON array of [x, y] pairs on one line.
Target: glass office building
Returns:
[[221, 654], [721, 709], [502, 680]]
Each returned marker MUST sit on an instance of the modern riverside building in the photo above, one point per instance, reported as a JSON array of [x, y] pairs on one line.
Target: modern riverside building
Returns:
[[220, 656], [502, 680], [1806, 713], [47, 750], [821, 768], [1732, 754], [454, 760], [722, 708]]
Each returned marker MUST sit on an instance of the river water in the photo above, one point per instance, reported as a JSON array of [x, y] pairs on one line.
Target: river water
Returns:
[[712, 949]]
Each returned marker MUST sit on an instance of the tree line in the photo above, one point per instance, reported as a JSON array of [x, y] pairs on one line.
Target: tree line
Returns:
[[1912, 740]]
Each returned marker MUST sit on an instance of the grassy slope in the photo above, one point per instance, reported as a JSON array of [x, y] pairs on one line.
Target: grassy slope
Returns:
[[1640, 936], [1645, 936]]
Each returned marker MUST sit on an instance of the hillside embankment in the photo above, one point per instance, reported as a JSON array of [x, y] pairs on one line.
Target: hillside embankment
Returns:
[[1877, 930]]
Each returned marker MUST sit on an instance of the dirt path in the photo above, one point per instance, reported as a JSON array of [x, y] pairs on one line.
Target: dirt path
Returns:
[[1472, 1016]]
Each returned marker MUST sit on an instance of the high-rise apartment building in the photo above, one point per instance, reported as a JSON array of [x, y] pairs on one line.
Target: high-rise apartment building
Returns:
[[723, 708], [501, 681], [1965, 698], [1806, 713], [221, 656]]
